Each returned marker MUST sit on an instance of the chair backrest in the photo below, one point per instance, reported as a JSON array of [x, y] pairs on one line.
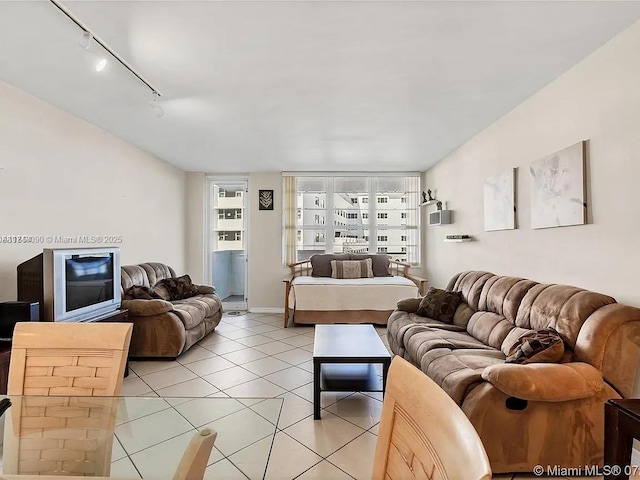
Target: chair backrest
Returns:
[[423, 433], [80, 359], [196, 457]]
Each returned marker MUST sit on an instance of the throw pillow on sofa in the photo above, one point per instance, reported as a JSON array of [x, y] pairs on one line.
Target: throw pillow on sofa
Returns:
[[140, 292], [539, 346], [439, 304], [351, 268], [176, 288]]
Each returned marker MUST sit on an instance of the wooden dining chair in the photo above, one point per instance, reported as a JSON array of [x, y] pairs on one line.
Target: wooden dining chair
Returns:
[[75, 359], [423, 433]]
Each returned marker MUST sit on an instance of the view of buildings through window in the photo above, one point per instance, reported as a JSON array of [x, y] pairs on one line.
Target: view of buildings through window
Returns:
[[333, 215]]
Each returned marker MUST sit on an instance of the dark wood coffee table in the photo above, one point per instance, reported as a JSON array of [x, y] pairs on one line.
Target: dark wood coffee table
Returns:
[[343, 358]]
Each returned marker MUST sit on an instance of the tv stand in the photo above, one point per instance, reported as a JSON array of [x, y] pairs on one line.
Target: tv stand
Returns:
[[5, 349]]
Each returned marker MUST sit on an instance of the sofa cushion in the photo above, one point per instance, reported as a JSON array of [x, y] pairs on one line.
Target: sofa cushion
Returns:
[[379, 263], [192, 311], [351, 269], [140, 292], [419, 339], [439, 304], [539, 346], [321, 263], [490, 328], [176, 288], [459, 371]]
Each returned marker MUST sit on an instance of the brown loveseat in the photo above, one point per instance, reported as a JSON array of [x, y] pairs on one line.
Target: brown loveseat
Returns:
[[538, 413], [167, 328]]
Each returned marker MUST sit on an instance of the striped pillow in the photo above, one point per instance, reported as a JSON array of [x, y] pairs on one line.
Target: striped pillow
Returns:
[[351, 268]]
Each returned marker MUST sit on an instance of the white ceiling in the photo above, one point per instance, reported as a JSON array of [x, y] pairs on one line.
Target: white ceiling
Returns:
[[312, 85]]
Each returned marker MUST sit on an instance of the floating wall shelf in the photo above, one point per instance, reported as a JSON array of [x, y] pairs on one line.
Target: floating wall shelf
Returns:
[[458, 240]]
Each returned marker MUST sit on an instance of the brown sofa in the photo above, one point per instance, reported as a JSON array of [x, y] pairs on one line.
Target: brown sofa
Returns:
[[538, 413], [167, 328]]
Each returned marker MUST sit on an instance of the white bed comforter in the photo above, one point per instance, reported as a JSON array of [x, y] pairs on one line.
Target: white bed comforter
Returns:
[[328, 294]]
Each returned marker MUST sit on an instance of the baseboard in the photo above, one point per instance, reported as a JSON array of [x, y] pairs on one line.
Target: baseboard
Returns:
[[266, 310]]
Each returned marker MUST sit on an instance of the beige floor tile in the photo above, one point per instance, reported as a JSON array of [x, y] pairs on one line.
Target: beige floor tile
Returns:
[[274, 347], [255, 388], [299, 340], [295, 356], [265, 366], [308, 366], [239, 430], [294, 409], [269, 409], [375, 429], [150, 430], [124, 468], [252, 461], [224, 347], [194, 354], [134, 387], [230, 377], [241, 357], [237, 334], [308, 348], [289, 458], [132, 408], [326, 398], [212, 339], [191, 388], [282, 333], [117, 452], [358, 409], [324, 436], [254, 340], [290, 378], [264, 328], [324, 471], [199, 412], [145, 367], [209, 365], [356, 458], [168, 377], [223, 470]]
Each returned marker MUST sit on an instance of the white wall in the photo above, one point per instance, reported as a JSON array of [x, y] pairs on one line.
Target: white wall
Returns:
[[266, 272], [599, 101], [60, 175], [195, 209]]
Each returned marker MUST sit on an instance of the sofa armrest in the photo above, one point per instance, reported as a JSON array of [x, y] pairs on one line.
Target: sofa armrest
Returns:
[[147, 308], [549, 382], [409, 305], [204, 289]]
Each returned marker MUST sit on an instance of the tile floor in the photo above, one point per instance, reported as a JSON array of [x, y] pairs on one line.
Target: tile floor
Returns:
[[254, 356]]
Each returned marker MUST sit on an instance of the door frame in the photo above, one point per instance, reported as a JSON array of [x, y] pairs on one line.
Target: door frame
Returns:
[[211, 180]]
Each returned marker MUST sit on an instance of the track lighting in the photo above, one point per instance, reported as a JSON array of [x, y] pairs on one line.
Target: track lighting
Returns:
[[158, 111], [99, 62]]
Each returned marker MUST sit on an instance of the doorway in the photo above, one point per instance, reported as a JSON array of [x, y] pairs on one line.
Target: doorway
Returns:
[[227, 241]]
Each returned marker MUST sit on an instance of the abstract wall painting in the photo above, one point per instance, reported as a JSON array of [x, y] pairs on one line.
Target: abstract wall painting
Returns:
[[558, 189], [500, 201]]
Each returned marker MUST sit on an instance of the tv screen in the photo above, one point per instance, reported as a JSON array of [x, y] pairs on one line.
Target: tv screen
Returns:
[[89, 280]]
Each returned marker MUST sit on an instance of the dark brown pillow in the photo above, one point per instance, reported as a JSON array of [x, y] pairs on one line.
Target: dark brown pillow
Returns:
[[379, 263], [321, 263], [139, 292], [176, 288], [539, 346], [439, 304]]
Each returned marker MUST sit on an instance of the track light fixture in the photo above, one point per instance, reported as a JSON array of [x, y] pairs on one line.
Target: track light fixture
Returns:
[[158, 111], [99, 61]]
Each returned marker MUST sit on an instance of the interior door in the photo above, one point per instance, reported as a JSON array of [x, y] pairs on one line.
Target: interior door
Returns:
[[227, 252]]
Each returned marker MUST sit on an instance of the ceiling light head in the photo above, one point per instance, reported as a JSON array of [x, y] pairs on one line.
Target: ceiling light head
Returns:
[[158, 111], [99, 62]]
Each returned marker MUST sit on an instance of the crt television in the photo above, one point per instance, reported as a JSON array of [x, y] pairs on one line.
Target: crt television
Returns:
[[72, 285]]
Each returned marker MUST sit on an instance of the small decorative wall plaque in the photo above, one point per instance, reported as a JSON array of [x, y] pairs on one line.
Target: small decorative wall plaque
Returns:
[[265, 199]]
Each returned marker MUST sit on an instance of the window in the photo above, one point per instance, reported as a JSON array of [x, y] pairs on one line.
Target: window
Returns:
[[238, 214], [334, 215], [221, 214], [226, 236], [404, 249], [238, 194]]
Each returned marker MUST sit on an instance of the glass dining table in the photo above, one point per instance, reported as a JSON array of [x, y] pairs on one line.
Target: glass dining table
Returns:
[[134, 437]]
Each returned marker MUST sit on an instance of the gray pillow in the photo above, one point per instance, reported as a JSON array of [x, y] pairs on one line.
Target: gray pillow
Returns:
[[321, 263], [379, 262]]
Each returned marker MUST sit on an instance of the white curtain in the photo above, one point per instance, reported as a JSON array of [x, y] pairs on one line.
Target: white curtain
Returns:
[[290, 236]]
